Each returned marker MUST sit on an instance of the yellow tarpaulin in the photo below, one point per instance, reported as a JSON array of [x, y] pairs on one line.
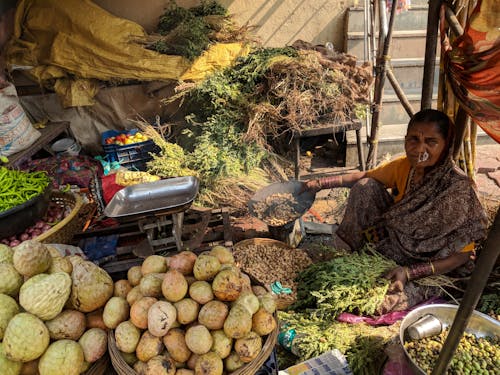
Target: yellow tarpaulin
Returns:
[[76, 39]]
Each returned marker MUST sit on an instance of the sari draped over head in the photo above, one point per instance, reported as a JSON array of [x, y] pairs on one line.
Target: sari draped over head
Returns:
[[435, 219]]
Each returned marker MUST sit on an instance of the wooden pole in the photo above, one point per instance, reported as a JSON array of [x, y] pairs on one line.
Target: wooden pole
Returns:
[[477, 282], [430, 53], [460, 124], [371, 159]]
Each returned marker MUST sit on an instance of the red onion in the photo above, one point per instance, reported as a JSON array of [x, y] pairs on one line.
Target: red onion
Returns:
[[39, 224], [12, 238], [24, 237], [30, 230], [45, 228], [5, 241], [36, 232], [14, 243]]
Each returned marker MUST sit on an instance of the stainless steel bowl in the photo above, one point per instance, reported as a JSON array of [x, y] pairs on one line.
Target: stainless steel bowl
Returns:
[[480, 325]]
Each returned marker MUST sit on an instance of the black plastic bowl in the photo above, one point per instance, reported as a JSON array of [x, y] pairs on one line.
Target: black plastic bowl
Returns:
[[18, 218]]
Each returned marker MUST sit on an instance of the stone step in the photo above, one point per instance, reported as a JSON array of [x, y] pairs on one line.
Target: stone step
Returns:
[[393, 112], [414, 19], [409, 74], [405, 44]]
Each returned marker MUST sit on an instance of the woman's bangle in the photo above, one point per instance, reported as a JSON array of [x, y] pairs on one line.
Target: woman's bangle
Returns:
[[330, 182], [420, 270]]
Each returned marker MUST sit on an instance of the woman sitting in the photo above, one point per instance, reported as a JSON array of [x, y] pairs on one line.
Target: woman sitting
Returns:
[[428, 224]]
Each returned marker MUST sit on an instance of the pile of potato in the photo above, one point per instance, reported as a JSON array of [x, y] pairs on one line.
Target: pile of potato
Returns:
[[189, 314], [47, 311]]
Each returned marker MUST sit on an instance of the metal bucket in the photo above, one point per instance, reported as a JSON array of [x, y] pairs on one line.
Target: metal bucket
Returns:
[[480, 325]]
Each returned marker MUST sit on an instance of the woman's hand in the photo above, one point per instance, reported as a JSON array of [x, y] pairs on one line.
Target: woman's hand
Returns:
[[399, 278], [312, 185]]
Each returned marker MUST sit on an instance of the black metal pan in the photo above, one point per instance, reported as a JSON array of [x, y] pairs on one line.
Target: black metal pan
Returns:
[[301, 201]]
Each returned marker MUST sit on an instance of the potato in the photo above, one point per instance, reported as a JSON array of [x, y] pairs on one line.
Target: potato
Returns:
[[160, 365], [69, 324], [209, 364], [227, 285], [161, 316], [206, 267], [183, 262], [122, 287], [153, 264], [187, 310], [175, 342], [201, 292], [233, 362], [148, 347], [115, 311], [248, 347], [150, 285], [222, 344], [95, 320], [263, 322], [134, 275], [127, 336], [134, 295], [238, 323], [174, 286], [213, 314], [198, 339], [139, 312]]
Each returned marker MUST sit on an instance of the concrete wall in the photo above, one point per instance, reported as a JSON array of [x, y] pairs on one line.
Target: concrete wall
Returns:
[[278, 22]]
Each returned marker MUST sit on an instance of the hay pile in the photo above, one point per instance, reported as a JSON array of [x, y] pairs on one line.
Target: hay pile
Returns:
[[238, 116]]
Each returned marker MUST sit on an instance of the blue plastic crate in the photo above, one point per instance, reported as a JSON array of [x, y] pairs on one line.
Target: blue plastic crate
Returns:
[[270, 367], [133, 156]]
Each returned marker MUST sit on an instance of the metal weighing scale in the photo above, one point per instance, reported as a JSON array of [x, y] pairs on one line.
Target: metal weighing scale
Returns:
[[156, 206]]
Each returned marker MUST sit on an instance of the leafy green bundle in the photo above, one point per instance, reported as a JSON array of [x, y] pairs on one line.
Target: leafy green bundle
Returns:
[[351, 283]]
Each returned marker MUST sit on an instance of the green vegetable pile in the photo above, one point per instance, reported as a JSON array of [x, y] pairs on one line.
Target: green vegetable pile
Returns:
[[473, 356], [189, 32], [360, 343], [17, 187], [490, 304], [352, 283]]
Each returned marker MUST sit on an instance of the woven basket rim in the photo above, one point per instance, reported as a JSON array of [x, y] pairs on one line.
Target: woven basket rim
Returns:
[[261, 241], [122, 368], [78, 204]]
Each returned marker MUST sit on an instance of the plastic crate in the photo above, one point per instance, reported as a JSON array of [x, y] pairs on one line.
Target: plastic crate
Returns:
[[133, 156], [270, 367]]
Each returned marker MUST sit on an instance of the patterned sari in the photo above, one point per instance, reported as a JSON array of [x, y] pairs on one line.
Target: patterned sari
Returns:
[[435, 219]]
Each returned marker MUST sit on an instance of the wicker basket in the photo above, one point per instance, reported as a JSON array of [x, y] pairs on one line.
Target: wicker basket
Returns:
[[122, 368], [63, 231], [281, 302]]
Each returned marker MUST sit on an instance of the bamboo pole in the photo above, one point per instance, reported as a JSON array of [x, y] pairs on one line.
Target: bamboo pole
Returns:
[[453, 22], [475, 287], [430, 53], [400, 93], [473, 135], [460, 123], [382, 60]]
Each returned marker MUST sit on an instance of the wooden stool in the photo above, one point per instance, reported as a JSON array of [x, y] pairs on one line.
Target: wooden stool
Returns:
[[330, 128]]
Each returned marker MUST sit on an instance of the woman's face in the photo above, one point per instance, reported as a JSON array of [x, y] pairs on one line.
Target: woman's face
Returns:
[[424, 144]]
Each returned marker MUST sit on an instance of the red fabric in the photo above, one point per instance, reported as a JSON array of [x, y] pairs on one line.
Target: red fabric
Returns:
[[109, 187], [473, 67]]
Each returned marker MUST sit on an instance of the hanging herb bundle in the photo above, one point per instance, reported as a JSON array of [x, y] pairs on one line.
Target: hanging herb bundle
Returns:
[[352, 283], [361, 344]]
